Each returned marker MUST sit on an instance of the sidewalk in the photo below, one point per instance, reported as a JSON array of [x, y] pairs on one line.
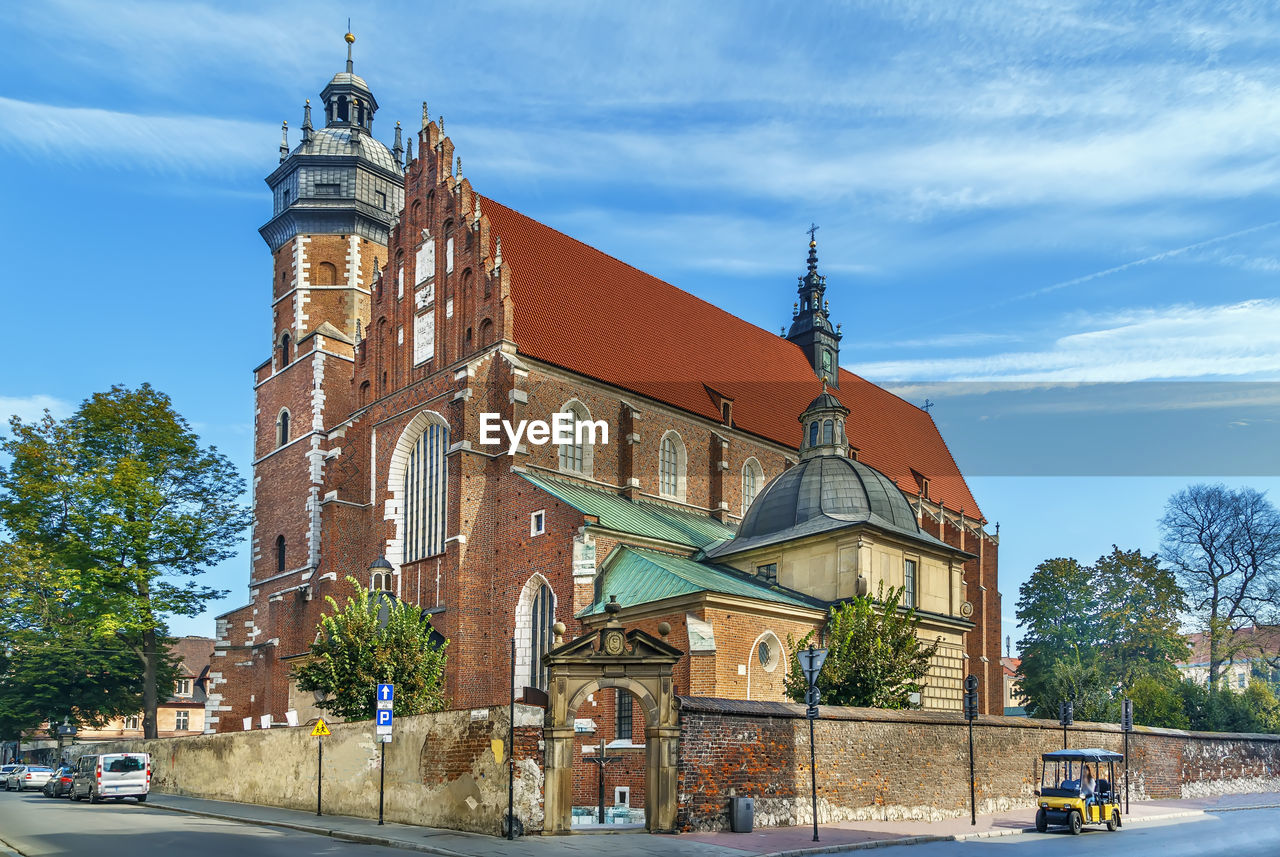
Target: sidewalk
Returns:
[[770, 842]]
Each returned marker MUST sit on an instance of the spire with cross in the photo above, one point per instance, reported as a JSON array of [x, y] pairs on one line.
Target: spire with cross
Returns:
[[811, 327]]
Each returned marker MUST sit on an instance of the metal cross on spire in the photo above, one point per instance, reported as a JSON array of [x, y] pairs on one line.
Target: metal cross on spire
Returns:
[[813, 227], [927, 406]]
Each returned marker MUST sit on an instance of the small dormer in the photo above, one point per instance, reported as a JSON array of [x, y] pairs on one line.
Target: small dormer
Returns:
[[823, 427]]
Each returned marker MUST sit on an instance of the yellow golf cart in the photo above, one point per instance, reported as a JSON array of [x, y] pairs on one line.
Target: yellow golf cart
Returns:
[[1065, 797]]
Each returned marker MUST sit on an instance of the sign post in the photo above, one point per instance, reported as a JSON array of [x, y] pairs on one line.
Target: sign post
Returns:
[[319, 732], [384, 699], [1066, 716], [811, 661], [971, 714], [1126, 726]]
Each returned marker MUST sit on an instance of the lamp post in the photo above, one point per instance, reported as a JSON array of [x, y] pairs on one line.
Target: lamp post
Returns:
[[811, 660], [1126, 726], [971, 714], [1066, 716]]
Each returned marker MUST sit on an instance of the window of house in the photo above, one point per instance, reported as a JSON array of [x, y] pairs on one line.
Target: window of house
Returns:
[[752, 480], [133, 722], [182, 720], [575, 457], [425, 484], [726, 413], [623, 732], [542, 617], [282, 428], [182, 687], [671, 465], [284, 351], [381, 199], [768, 572], [538, 523], [280, 561], [909, 583]]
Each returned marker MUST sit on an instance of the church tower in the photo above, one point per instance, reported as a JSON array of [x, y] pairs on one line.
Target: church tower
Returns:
[[811, 325], [335, 197]]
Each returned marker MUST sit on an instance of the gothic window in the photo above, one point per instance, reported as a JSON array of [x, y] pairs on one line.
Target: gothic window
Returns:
[[364, 394], [280, 560], [672, 460], [576, 456], [813, 433], [909, 583], [326, 274], [486, 333], [752, 480], [282, 427], [623, 732], [425, 496], [541, 618], [828, 432], [285, 342]]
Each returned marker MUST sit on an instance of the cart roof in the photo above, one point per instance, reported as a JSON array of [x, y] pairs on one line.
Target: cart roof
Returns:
[[1091, 755]]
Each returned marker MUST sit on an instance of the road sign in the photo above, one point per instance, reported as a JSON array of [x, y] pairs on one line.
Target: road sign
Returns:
[[386, 692], [1126, 715], [811, 661], [383, 722], [1066, 713], [321, 729], [811, 712], [971, 697]]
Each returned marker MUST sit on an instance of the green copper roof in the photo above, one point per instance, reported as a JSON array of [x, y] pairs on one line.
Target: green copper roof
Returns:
[[638, 517], [640, 576]]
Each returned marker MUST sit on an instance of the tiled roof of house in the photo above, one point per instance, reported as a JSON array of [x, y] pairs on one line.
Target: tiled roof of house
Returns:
[[585, 311], [640, 576], [1246, 643]]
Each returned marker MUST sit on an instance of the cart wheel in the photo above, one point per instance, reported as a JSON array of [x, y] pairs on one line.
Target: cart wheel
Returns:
[[1042, 822], [1113, 823], [1075, 823]]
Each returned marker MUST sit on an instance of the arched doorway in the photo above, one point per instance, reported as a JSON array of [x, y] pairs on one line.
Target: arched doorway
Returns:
[[632, 661]]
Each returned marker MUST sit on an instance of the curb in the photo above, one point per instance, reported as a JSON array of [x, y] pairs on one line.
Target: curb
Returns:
[[346, 836]]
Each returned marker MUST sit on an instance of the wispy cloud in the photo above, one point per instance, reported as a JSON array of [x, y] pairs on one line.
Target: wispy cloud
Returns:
[[95, 138], [1240, 340], [28, 408]]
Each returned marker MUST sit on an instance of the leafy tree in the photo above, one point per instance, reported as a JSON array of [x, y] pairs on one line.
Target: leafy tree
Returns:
[[1158, 702], [123, 496], [875, 659], [1058, 608], [1139, 626], [1224, 545], [371, 640]]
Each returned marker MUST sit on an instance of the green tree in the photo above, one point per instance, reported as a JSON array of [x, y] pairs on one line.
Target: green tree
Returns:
[[1158, 702], [1139, 624], [875, 659], [1058, 608], [123, 496], [374, 639]]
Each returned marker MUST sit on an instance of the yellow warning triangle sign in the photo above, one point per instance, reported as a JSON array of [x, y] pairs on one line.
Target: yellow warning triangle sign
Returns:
[[321, 729]]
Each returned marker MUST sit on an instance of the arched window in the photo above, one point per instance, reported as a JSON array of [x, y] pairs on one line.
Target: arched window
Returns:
[[425, 493], [672, 460], [577, 456], [381, 581], [326, 274], [280, 562], [828, 435], [486, 333], [285, 342], [282, 427], [752, 481], [364, 394], [541, 618], [813, 433]]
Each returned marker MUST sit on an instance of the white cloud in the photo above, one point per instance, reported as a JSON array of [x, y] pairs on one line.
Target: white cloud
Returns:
[[1240, 341], [91, 137], [30, 408]]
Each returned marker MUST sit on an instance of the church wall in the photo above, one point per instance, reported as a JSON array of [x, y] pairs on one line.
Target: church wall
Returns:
[[738, 671]]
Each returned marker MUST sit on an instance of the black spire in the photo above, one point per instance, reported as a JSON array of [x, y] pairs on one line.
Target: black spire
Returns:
[[810, 322], [398, 148]]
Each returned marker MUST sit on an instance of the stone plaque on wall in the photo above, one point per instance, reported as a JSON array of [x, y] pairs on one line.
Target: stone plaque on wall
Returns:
[[426, 261], [424, 337]]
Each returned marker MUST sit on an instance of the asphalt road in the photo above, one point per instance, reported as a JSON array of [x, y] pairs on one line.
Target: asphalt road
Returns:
[[36, 826]]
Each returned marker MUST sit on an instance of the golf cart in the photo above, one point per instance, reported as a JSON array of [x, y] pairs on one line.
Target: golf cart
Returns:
[[1064, 799]]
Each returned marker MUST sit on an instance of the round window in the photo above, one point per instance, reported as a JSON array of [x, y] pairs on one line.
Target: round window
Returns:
[[765, 654]]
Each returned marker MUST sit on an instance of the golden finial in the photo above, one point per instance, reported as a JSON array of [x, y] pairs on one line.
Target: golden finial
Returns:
[[350, 38]]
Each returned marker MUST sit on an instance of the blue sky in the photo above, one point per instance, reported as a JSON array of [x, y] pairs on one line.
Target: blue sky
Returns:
[[1049, 218]]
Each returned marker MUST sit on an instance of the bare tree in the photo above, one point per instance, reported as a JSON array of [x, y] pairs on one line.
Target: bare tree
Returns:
[[1225, 547]]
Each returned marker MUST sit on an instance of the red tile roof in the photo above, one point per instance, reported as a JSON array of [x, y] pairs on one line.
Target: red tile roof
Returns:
[[585, 311], [1253, 642]]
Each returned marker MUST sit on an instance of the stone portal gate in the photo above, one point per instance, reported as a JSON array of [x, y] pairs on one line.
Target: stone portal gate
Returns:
[[630, 660]]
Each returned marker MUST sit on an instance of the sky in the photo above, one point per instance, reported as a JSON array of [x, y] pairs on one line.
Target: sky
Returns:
[[1057, 222]]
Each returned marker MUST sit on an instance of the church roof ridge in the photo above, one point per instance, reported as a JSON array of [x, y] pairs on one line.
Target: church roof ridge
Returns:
[[668, 344]]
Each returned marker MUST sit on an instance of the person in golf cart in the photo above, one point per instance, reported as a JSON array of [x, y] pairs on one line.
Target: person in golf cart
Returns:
[[1070, 795]]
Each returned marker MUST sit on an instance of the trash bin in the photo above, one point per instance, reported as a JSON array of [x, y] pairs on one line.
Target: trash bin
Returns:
[[742, 814]]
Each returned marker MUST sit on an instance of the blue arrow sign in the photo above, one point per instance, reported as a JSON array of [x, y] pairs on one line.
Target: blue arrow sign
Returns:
[[384, 718], [386, 692]]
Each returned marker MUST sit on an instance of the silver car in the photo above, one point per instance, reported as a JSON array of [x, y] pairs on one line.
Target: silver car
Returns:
[[5, 771], [28, 777]]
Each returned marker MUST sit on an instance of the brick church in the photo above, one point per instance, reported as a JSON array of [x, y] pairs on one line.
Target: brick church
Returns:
[[735, 481]]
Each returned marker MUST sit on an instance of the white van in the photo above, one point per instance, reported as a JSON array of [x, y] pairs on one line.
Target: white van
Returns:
[[112, 775]]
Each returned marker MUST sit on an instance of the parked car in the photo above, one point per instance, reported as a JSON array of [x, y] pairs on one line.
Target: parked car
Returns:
[[28, 777], [112, 775], [5, 771], [60, 783]]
